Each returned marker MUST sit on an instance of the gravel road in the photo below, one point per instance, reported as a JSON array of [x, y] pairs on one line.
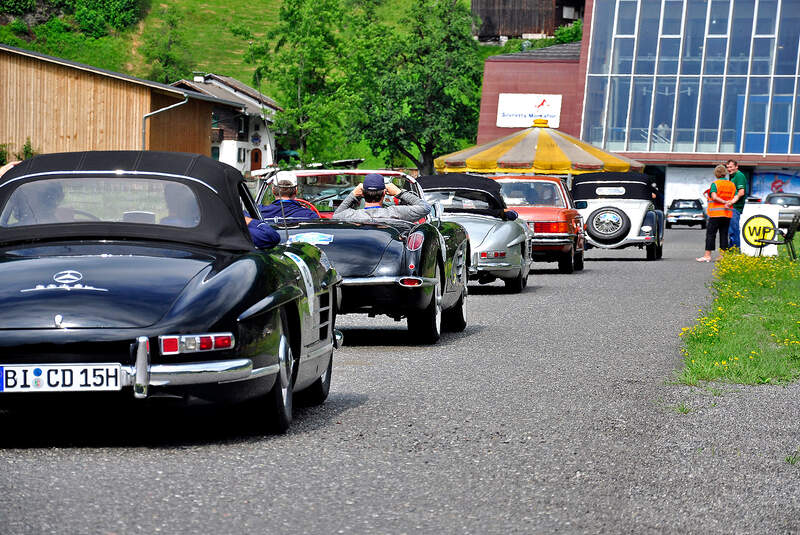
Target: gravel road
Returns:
[[554, 412]]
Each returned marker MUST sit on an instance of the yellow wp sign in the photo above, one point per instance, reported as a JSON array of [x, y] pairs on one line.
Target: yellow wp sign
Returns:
[[758, 222], [758, 227]]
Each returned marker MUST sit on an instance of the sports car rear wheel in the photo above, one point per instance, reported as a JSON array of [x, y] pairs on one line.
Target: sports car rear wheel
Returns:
[[317, 393], [279, 399], [426, 326], [455, 319]]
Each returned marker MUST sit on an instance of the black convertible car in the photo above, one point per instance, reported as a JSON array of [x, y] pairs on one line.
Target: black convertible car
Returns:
[[416, 270], [132, 274]]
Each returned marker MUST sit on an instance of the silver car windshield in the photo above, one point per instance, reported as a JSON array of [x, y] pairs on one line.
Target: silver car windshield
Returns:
[[101, 199]]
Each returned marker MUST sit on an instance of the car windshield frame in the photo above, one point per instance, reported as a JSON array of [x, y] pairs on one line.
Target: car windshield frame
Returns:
[[559, 201]]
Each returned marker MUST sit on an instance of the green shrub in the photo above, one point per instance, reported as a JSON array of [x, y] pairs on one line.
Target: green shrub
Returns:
[[17, 27], [17, 7], [91, 21], [3, 153], [27, 151], [570, 33]]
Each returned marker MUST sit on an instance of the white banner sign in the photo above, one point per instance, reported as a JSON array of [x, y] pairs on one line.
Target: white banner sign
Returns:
[[518, 110]]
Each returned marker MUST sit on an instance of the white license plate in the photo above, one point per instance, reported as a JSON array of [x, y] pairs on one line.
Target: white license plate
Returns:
[[60, 377]]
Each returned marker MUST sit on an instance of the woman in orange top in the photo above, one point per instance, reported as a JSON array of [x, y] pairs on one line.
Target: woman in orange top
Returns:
[[720, 200]]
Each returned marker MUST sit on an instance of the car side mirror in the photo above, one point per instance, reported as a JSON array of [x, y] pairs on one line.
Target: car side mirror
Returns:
[[580, 205]]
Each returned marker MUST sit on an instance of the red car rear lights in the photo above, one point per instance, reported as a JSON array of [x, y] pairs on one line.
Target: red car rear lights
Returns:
[[551, 227], [411, 281], [493, 254], [414, 241], [194, 343]]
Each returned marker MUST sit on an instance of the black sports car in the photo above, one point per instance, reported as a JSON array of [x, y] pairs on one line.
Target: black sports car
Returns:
[[416, 270], [132, 274]]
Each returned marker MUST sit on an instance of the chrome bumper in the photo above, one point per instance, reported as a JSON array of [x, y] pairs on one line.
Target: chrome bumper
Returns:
[[627, 242], [375, 281], [142, 375], [552, 241]]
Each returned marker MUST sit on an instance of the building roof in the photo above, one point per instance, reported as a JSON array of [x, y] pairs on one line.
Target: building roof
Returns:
[[231, 88], [562, 52], [178, 92]]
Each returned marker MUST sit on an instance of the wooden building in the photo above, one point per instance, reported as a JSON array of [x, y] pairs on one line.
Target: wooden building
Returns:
[[65, 106], [524, 18]]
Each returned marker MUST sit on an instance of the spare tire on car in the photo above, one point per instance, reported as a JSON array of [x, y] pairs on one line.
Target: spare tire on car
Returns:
[[608, 224]]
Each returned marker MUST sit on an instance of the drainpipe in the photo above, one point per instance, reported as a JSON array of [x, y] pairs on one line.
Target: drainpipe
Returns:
[[148, 115]]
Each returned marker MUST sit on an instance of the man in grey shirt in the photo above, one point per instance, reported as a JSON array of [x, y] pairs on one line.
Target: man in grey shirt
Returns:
[[373, 189]]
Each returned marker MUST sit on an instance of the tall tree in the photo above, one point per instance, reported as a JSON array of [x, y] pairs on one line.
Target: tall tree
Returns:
[[418, 94], [166, 49], [300, 58]]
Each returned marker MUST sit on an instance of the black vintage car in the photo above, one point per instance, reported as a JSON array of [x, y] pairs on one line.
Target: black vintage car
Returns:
[[416, 270], [132, 274]]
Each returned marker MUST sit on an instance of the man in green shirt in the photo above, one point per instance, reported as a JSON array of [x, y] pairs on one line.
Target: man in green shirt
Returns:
[[737, 203]]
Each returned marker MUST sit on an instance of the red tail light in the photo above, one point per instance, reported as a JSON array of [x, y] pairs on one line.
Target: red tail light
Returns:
[[410, 281], [195, 343], [414, 241], [493, 254], [551, 227]]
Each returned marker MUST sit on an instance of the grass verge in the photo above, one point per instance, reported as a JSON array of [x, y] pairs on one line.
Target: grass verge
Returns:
[[750, 334]]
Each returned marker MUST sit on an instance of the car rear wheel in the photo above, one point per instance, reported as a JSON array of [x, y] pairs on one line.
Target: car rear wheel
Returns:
[[608, 224], [279, 399], [455, 319], [426, 326], [703, 225], [317, 393], [566, 262], [669, 225], [652, 253], [577, 260]]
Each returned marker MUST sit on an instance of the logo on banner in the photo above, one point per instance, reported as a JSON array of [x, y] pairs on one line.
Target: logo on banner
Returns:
[[518, 110], [758, 227]]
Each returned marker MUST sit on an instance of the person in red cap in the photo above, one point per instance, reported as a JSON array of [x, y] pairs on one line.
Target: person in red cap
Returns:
[[373, 190]]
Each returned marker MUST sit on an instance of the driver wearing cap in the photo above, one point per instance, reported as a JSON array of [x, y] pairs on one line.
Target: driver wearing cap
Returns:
[[286, 205], [373, 190]]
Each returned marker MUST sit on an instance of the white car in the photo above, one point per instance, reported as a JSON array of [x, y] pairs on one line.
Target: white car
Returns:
[[619, 212]]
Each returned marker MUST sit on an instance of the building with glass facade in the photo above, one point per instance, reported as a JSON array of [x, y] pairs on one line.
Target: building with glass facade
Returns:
[[682, 85]]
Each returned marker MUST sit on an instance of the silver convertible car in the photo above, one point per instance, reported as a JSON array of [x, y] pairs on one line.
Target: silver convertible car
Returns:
[[500, 243]]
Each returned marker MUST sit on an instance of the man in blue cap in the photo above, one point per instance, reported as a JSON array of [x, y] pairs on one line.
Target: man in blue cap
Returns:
[[286, 205], [373, 190]]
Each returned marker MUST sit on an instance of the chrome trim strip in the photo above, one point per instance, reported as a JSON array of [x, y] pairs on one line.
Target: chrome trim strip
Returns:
[[374, 281], [272, 369], [116, 172], [551, 241]]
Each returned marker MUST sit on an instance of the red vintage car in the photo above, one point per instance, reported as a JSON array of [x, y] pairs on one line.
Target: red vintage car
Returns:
[[545, 203]]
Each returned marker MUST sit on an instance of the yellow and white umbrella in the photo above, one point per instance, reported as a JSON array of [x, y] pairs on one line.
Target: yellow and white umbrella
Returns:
[[539, 150]]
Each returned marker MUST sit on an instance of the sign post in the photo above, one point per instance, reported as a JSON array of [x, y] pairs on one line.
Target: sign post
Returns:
[[757, 222]]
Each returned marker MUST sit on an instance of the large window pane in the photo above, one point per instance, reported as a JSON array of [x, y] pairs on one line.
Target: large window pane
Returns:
[[762, 56], [673, 14], [595, 106], [649, 14], [718, 24], [669, 55], [780, 116], [715, 55], [626, 17], [662, 114], [708, 116], [640, 113], [617, 113], [756, 123], [796, 129], [765, 22], [601, 36], [686, 118], [694, 35], [788, 35], [741, 31], [733, 114], [623, 56]]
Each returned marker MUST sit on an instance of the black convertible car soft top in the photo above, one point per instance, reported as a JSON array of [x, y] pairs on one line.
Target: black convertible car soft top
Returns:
[[463, 182], [628, 185], [216, 187]]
